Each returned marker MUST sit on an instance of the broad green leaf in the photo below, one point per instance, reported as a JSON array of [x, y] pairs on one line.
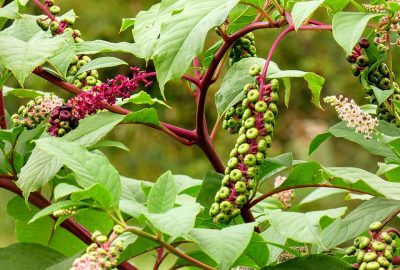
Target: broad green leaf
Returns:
[[132, 208], [52, 153], [176, 222], [315, 82], [64, 264], [321, 193], [336, 5], [48, 211], [358, 221], [96, 192], [22, 93], [142, 98], [312, 262], [270, 235], [24, 56], [373, 146], [63, 56], [126, 23], [162, 195], [231, 91], [28, 256], [381, 95], [146, 116], [101, 62], [182, 36], [101, 46], [242, 15], [303, 10], [369, 108], [224, 246], [93, 128], [209, 54], [302, 227], [317, 141], [348, 28], [211, 184], [132, 189], [108, 143], [188, 185], [62, 190], [198, 255], [273, 165], [140, 246], [24, 29], [257, 251], [10, 11]]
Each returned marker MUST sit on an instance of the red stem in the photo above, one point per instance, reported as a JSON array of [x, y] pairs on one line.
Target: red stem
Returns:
[[69, 224], [45, 10], [3, 123]]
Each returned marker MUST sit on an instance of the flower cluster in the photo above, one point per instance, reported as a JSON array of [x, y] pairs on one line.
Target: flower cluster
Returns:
[[65, 118], [100, 255], [351, 113], [36, 111], [286, 196], [65, 212]]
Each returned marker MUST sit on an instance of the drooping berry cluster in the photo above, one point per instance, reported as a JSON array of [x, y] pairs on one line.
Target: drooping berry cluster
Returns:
[[100, 255], [35, 111], [378, 75], [376, 252], [242, 48], [66, 117], [255, 137], [84, 80]]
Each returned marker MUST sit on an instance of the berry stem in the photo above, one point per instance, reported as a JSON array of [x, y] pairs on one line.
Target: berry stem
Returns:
[[44, 9], [389, 218], [277, 190], [260, 11], [170, 248], [3, 123]]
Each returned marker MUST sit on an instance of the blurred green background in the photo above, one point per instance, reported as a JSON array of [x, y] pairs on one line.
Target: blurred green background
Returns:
[[152, 152]]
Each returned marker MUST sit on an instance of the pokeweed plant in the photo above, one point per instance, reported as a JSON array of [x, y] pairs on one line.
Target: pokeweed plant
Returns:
[[75, 211]]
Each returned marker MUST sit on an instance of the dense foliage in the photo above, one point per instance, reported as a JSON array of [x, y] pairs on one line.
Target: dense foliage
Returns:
[[73, 209]]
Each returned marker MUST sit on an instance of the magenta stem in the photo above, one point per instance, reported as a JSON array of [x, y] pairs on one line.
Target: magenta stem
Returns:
[[45, 10], [3, 122]]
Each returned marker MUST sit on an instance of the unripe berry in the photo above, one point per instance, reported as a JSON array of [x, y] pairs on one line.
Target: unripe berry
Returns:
[[85, 57], [101, 239], [350, 251], [250, 122], [232, 163], [222, 218], [230, 112], [91, 80], [252, 133], [273, 108], [363, 266], [94, 73], [118, 229], [252, 172], [254, 70], [240, 200], [378, 246], [240, 187], [250, 160], [95, 235], [226, 207], [224, 192], [362, 61], [370, 256], [78, 40], [261, 106], [54, 26], [246, 114], [248, 87], [235, 212], [262, 145], [81, 63], [55, 10], [364, 242], [260, 157], [73, 70], [243, 148], [375, 226], [253, 95], [383, 69], [274, 97], [372, 266], [383, 261], [236, 175], [360, 256], [274, 85]]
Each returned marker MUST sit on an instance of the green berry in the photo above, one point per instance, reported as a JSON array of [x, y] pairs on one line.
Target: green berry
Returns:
[[269, 128], [383, 69], [360, 256], [69, 20], [350, 251], [214, 210], [363, 266], [268, 141], [233, 152], [235, 212], [230, 112], [250, 122], [233, 123], [240, 200], [254, 70], [87, 88], [248, 87], [370, 256], [225, 181], [240, 187], [273, 108], [362, 61], [375, 226], [364, 242], [260, 157], [372, 266], [357, 241], [73, 70], [243, 148], [250, 36], [222, 218], [54, 26], [261, 106], [274, 97], [388, 253], [246, 114], [252, 172], [262, 145], [274, 85], [384, 84], [378, 246], [253, 95], [226, 207], [86, 58], [250, 160], [55, 10], [81, 63], [78, 40], [383, 261], [252, 133], [81, 76], [381, 48], [94, 73], [235, 175], [95, 235], [91, 80], [118, 229], [232, 162]]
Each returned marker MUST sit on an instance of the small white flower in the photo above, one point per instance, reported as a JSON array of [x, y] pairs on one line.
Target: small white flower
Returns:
[[353, 115], [285, 196]]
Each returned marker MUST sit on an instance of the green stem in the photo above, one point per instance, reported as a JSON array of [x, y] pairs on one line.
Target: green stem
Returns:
[[170, 248], [357, 6]]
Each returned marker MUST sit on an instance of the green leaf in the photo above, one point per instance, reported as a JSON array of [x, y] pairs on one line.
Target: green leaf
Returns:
[[317, 141], [140, 246], [108, 143], [321, 193], [176, 222], [126, 23], [336, 5], [24, 56], [231, 91], [257, 250], [93, 128], [146, 116], [182, 36], [348, 28], [211, 184], [62, 190], [132, 208], [63, 56], [312, 262], [48, 211], [276, 243], [142, 98], [242, 15], [101, 46], [209, 54], [10, 11], [301, 227], [224, 246], [273, 165], [373, 146], [132, 189], [303, 10], [52, 153], [381, 95], [96, 192], [22, 93], [162, 195], [357, 222], [101, 62], [28, 257]]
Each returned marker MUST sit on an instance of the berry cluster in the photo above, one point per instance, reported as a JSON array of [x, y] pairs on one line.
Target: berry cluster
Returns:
[[100, 255], [378, 76], [35, 111], [65, 212], [85, 80], [66, 117], [387, 30], [255, 137], [242, 48], [376, 252]]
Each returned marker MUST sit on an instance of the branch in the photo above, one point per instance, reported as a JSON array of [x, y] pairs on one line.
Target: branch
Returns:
[[69, 224], [3, 123], [173, 131], [389, 218], [170, 248], [275, 191], [45, 10]]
